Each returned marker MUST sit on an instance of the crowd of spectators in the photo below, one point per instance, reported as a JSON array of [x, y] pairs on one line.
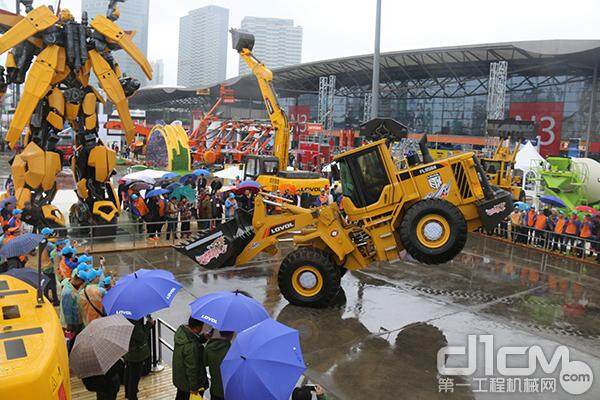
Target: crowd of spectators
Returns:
[[568, 233]]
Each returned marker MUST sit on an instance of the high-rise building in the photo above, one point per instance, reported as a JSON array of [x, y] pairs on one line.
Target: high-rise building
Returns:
[[203, 47], [134, 17], [158, 68], [278, 43]]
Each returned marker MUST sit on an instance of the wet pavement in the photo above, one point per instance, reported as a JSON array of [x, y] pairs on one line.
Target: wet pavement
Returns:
[[381, 338]]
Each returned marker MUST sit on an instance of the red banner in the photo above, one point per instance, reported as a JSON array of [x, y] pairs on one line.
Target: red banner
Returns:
[[548, 116]]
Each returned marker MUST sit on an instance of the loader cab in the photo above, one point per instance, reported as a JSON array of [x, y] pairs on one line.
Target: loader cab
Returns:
[[260, 165], [363, 176], [269, 165]]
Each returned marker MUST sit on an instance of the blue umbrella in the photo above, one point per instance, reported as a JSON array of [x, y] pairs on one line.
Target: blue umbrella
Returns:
[[141, 293], [170, 175], [11, 199], [189, 177], [228, 311], [173, 186], [522, 205], [249, 185], [22, 244], [200, 172], [28, 276], [156, 192], [264, 362], [155, 274], [553, 201]]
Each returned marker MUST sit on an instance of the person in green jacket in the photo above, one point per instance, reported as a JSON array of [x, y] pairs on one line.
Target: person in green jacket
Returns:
[[189, 372], [214, 353], [139, 351]]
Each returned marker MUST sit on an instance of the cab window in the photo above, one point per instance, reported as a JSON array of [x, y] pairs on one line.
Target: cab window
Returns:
[[251, 168], [364, 177], [271, 167]]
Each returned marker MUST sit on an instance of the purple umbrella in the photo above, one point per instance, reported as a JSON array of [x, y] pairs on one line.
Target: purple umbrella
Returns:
[[249, 185], [141, 293], [228, 311], [264, 362]]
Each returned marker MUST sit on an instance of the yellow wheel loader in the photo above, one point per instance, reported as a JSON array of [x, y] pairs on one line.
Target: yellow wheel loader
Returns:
[[422, 206]]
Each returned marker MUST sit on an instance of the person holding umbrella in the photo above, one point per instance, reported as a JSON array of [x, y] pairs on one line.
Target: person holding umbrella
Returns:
[[135, 296], [214, 353], [96, 355], [138, 353], [189, 371]]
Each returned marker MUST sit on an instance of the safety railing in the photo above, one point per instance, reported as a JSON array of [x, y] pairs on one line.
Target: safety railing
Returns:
[[549, 241], [158, 342], [137, 234]]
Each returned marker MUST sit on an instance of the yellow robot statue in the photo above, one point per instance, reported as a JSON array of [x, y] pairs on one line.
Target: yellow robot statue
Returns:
[[53, 55]]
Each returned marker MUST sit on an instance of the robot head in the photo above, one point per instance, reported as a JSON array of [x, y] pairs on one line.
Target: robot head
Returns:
[[65, 15]]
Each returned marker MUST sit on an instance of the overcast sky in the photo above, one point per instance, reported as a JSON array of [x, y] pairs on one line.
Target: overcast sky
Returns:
[[336, 28]]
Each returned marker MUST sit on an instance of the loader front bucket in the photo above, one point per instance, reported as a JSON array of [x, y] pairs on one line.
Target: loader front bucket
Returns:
[[220, 248]]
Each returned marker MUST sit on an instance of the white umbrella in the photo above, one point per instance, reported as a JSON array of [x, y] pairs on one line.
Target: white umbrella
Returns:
[[146, 175]]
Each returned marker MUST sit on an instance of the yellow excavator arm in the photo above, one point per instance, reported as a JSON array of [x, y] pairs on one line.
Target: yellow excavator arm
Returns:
[[264, 76]]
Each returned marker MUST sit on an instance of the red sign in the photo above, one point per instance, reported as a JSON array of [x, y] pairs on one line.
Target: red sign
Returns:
[[548, 116], [299, 116], [312, 127]]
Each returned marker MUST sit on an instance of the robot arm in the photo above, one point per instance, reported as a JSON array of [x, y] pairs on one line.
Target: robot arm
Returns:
[[114, 34], [34, 22], [114, 91]]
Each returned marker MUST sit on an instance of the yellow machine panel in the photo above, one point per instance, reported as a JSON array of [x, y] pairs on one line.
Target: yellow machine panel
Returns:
[[33, 356]]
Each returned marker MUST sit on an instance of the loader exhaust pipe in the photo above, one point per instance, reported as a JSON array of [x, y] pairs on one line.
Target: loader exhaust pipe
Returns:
[[485, 185], [425, 150]]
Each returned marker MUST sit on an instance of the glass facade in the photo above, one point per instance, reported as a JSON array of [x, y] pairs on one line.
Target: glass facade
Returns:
[[539, 96]]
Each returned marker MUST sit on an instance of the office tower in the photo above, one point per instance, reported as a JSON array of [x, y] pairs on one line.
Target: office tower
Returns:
[[203, 47], [278, 43], [158, 68]]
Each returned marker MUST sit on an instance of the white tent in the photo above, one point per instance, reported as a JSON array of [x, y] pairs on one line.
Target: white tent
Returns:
[[528, 157], [529, 161]]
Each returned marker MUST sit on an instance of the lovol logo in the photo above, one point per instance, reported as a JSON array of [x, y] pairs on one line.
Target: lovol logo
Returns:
[[209, 319], [497, 209], [124, 312], [170, 293], [281, 227]]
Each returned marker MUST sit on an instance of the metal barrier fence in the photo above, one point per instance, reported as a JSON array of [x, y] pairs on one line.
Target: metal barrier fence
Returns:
[[541, 239], [136, 233], [158, 341]]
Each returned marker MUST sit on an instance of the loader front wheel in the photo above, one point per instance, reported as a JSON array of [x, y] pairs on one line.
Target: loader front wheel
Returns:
[[308, 277], [433, 231]]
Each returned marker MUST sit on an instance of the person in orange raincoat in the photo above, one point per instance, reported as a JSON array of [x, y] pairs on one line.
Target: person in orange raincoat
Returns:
[[558, 239], [541, 228], [529, 224], [586, 233]]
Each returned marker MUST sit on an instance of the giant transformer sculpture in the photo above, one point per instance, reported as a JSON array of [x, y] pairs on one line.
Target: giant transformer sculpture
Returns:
[[57, 90]]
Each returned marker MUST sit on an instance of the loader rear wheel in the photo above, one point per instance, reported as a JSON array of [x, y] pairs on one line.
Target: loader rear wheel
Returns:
[[433, 231], [308, 277]]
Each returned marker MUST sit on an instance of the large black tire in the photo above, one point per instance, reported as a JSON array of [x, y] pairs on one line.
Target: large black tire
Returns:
[[436, 214], [312, 265]]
